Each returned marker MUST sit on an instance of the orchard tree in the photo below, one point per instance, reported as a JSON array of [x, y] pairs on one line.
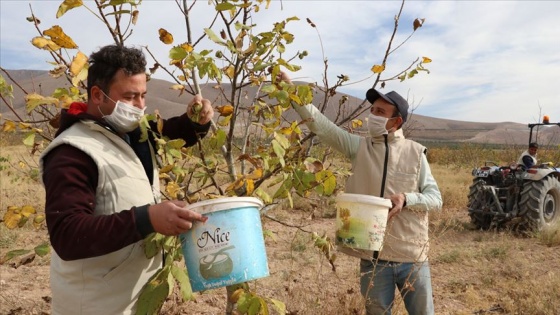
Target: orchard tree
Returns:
[[252, 150]]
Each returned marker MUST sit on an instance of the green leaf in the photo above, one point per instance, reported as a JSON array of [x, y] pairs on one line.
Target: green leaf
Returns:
[[182, 278], [29, 139], [68, 5], [282, 96], [255, 306], [213, 37], [169, 242], [154, 293], [263, 195], [280, 152], [152, 244], [224, 6], [282, 140], [14, 253], [269, 233], [42, 249], [327, 182], [176, 144], [305, 94], [219, 139], [280, 306], [177, 53], [119, 2], [269, 88], [6, 90], [244, 302]]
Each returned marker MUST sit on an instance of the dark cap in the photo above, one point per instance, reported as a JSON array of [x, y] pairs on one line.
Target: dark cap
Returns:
[[393, 98], [533, 145]]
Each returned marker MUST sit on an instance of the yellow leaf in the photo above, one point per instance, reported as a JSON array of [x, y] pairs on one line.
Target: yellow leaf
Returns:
[[11, 219], [38, 220], [187, 47], [14, 209], [286, 130], [172, 189], [378, 68], [44, 43], [426, 60], [229, 71], [166, 168], [256, 174], [250, 187], [177, 87], [78, 63], [68, 5], [24, 126], [165, 37], [26, 211], [82, 76], [58, 36], [33, 100], [9, 126], [356, 123], [225, 121], [238, 183], [21, 164], [225, 110]]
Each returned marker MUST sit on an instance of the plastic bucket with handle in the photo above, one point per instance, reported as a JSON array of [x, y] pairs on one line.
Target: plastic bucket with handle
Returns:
[[360, 222], [228, 248]]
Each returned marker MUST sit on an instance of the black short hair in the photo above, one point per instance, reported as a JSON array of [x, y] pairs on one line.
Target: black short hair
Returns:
[[104, 64], [533, 145]]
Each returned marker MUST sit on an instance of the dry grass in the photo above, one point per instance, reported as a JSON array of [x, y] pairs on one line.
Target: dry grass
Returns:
[[474, 272]]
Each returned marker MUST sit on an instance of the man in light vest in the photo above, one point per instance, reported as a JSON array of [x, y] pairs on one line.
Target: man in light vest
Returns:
[[529, 157]]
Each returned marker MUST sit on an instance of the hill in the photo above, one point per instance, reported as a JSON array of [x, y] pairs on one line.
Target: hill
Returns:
[[421, 128]]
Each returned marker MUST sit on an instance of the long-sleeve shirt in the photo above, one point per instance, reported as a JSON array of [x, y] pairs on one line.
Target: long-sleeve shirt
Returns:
[[429, 196], [70, 177]]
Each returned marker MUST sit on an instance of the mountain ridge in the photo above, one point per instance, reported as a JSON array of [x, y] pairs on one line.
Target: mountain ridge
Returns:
[[419, 127]]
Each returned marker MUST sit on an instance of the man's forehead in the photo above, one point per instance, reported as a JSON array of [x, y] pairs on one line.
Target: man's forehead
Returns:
[[383, 105]]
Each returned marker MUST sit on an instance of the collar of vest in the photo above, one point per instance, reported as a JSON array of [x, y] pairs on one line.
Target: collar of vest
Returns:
[[393, 136]]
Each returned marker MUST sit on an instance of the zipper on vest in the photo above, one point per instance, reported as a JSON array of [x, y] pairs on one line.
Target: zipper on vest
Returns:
[[382, 194]]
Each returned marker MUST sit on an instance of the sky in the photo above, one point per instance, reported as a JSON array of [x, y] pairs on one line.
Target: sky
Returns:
[[492, 61]]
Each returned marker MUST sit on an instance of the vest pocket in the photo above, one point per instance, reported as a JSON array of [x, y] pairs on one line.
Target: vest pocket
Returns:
[[406, 182], [129, 254]]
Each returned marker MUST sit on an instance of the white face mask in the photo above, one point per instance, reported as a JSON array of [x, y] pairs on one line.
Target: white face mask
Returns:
[[124, 117], [377, 125]]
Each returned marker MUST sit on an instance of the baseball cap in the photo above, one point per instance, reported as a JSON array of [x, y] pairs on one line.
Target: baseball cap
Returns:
[[393, 98]]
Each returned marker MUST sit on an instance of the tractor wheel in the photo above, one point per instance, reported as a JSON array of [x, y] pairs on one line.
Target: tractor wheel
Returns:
[[479, 200], [539, 204]]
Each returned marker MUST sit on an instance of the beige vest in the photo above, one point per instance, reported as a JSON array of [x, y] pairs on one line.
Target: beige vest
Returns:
[[108, 284], [406, 236]]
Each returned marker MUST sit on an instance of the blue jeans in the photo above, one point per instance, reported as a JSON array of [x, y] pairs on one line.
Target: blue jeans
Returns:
[[379, 279]]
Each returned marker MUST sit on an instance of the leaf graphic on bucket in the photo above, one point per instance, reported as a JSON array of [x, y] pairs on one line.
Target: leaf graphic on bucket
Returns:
[[361, 221]]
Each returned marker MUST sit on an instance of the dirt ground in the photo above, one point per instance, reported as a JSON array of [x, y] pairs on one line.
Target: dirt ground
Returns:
[[464, 282]]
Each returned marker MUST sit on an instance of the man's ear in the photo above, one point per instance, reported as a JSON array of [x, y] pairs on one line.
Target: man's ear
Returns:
[[96, 95], [398, 123]]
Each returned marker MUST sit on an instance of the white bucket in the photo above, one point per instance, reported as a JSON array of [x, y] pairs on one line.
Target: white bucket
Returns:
[[229, 247], [360, 222]]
